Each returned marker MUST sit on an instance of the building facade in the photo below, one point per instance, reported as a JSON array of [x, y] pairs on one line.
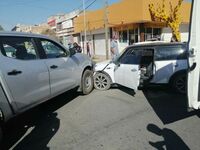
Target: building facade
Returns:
[[131, 22], [37, 29], [22, 28], [63, 25]]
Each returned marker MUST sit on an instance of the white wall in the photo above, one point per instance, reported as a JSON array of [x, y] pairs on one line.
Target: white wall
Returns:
[[122, 46], [100, 45], [166, 33], [99, 41]]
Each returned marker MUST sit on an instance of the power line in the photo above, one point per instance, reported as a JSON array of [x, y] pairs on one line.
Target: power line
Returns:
[[30, 2], [80, 7], [91, 4], [87, 6]]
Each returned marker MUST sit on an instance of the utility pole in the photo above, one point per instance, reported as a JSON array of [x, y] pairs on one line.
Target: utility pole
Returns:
[[85, 31], [106, 27]]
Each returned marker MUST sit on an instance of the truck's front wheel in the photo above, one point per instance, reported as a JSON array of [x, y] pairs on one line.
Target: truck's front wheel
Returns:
[[87, 82]]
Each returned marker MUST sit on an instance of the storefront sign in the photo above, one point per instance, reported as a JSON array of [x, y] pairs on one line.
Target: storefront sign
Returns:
[[67, 24], [52, 23]]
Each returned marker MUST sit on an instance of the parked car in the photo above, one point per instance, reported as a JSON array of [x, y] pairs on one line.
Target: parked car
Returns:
[[35, 68], [145, 63]]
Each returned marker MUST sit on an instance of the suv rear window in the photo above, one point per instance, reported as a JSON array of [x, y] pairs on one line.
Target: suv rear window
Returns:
[[170, 53]]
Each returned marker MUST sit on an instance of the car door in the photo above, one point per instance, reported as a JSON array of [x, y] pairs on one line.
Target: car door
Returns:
[[127, 71], [25, 74], [62, 67], [194, 58]]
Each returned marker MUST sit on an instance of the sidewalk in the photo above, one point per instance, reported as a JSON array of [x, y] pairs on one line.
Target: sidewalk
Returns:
[[99, 58]]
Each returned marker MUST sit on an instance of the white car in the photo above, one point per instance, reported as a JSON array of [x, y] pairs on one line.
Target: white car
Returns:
[[35, 68], [144, 63]]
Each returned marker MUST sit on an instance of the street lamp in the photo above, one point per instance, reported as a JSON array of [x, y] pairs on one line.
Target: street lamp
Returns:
[[106, 27]]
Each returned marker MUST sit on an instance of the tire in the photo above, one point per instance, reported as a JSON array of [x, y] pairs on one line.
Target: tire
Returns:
[[179, 83], [87, 82], [102, 81]]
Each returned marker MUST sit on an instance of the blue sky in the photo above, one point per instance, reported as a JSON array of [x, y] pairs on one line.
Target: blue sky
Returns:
[[37, 11]]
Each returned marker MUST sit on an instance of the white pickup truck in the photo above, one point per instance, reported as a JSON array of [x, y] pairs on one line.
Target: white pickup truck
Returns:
[[35, 68]]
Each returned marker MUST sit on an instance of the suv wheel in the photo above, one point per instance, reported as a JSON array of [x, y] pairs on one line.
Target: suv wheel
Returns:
[[179, 83], [87, 82], [102, 81]]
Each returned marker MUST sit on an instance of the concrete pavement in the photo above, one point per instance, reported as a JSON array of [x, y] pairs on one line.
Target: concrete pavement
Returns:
[[116, 119]]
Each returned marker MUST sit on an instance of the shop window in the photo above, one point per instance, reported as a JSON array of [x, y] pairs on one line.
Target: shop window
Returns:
[[136, 31], [123, 36], [156, 32], [152, 34], [133, 36], [132, 31], [136, 38], [148, 34], [59, 27]]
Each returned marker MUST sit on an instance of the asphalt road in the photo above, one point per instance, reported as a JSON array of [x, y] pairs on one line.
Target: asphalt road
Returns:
[[116, 119]]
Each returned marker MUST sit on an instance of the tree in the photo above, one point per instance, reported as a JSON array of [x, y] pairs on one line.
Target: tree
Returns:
[[171, 18], [1, 28]]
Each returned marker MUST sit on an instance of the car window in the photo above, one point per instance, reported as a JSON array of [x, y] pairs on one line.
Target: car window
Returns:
[[170, 53], [131, 56], [18, 48], [53, 50], [147, 55]]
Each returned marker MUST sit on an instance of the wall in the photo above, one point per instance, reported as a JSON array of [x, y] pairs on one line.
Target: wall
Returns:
[[126, 12], [97, 40]]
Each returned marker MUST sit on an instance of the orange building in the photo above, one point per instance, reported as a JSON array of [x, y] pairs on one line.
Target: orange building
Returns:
[[130, 20]]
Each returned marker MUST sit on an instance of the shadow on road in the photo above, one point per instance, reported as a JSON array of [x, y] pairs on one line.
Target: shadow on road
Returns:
[[34, 129], [126, 90], [168, 106], [131, 92], [171, 140]]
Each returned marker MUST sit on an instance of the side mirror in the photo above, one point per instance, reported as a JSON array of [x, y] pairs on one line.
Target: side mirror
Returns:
[[116, 62], [72, 51]]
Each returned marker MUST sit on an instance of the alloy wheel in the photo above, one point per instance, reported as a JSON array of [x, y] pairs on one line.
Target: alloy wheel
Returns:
[[102, 81]]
